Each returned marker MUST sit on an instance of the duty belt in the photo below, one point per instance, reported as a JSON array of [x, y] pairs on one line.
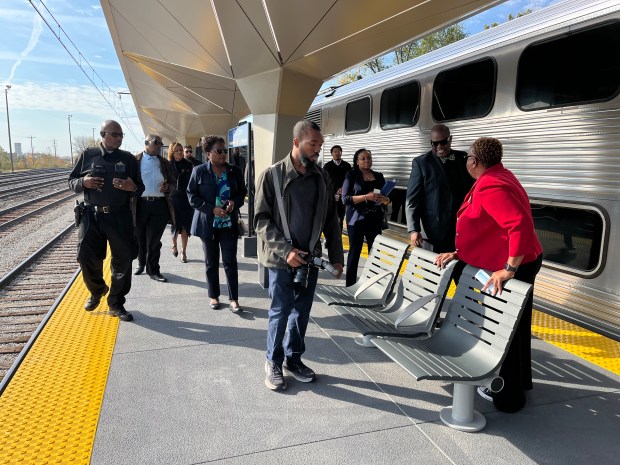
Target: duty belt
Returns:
[[152, 199], [104, 208]]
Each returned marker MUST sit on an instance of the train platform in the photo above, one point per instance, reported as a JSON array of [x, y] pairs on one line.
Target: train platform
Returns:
[[183, 384]]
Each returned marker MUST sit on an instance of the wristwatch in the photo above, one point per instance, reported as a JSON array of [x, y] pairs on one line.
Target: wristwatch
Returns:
[[512, 269]]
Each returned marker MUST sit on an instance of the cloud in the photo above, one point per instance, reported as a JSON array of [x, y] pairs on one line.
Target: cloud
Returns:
[[37, 28]]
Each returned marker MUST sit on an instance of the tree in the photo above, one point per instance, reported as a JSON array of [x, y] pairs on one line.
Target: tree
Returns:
[[81, 143], [510, 17], [377, 64], [350, 76], [429, 43]]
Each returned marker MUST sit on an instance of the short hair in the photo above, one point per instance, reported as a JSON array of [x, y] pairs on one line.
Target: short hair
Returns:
[[334, 148], [489, 151], [303, 126], [356, 156], [440, 128], [149, 137], [211, 141], [171, 149], [189, 147]]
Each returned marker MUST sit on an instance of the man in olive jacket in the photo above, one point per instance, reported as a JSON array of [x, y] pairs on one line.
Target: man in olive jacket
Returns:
[[310, 210]]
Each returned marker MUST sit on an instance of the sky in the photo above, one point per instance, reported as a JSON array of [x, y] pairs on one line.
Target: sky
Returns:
[[47, 85]]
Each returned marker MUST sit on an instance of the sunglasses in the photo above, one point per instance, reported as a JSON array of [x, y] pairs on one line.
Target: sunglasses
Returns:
[[445, 141], [220, 151], [116, 135], [156, 142], [188, 151]]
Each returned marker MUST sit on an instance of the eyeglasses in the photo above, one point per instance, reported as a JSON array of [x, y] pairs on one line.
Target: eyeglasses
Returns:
[[445, 141], [471, 156], [116, 135], [220, 151], [156, 142]]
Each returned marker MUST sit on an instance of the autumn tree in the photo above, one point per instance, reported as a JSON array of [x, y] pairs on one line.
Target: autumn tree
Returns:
[[510, 17]]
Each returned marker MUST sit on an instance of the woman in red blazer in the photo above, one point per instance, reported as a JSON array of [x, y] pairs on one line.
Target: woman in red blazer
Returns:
[[495, 231]]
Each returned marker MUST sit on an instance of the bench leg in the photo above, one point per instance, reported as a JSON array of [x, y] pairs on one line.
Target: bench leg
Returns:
[[461, 415], [363, 341]]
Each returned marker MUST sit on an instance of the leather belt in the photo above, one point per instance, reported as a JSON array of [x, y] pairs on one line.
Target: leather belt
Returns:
[[105, 208], [152, 199]]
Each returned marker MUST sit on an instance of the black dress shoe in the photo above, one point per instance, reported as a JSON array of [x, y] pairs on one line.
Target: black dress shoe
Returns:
[[139, 270], [93, 301], [121, 313], [159, 277]]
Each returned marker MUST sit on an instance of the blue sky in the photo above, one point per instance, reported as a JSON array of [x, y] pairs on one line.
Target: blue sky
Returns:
[[47, 85]]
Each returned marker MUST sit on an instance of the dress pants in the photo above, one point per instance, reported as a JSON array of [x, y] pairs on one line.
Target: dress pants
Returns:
[[222, 239], [367, 228], [151, 220], [96, 230], [516, 369], [290, 308]]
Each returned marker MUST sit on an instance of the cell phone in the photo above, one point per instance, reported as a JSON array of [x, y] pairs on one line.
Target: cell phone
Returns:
[[484, 277]]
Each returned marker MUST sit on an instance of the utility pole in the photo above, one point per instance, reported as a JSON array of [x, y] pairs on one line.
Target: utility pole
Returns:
[[94, 140], [31, 148], [8, 123], [70, 143], [54, 141]]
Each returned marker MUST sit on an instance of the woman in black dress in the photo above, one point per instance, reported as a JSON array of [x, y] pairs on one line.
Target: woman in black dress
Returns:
[[183, 211], [364, 208]]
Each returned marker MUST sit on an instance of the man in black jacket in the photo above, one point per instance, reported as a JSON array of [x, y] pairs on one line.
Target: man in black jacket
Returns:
[[437, 186], [337, 169], [108, 177]]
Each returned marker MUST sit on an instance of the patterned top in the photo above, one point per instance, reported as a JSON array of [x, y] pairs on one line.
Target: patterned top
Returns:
[[222, 195]]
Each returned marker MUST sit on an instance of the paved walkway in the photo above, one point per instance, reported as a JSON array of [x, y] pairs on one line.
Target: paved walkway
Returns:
[[186, 387]]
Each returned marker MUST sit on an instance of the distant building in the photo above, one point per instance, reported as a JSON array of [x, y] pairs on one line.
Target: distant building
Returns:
[[18, 149]]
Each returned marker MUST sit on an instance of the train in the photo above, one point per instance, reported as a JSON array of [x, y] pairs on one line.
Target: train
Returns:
[[547, 85]]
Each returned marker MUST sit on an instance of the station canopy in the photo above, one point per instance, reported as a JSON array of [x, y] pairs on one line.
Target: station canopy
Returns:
[[196, 67]]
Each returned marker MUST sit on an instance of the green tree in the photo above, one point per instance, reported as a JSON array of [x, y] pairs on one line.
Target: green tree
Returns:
[[510, 17], [429, 43]]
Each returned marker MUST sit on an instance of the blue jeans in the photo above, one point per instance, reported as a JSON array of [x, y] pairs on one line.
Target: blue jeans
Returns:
[[290, 305]]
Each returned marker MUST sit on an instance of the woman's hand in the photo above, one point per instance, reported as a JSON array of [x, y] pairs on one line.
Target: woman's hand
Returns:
[[219, 212], [497, 279], [372, 197], [444, 258]]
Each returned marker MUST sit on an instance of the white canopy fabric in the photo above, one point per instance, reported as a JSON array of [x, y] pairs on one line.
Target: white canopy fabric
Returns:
[[184, 59]]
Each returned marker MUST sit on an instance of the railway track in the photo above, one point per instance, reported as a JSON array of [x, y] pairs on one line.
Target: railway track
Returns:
[[15, 214], [29, 291], [30, 187]]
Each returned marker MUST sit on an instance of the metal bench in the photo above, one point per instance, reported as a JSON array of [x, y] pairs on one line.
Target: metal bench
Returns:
[[415, 307], [468, 349], [378, 277]]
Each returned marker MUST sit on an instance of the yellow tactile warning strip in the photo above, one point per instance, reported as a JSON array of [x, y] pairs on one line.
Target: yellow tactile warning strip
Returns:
[[593, 347], [50, 409]]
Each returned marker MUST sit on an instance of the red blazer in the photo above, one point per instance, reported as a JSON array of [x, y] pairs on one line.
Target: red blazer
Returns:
[[495, 222]]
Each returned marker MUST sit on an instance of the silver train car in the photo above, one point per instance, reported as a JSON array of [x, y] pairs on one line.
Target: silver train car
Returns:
[[547, 85]]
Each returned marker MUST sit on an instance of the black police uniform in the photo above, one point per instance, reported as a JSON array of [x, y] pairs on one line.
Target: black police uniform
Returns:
[[106, 218]]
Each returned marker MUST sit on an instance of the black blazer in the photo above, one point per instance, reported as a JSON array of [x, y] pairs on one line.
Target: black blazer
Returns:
[[429, 195], [354, 185]]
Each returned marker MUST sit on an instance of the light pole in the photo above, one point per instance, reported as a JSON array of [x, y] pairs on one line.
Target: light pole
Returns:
[[70, 143], [8, 123], [94, 141]]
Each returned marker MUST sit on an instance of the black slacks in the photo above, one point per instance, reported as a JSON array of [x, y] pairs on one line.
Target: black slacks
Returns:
[[151, 220], [517, 367], [222, 239], [368, 228], [96, 230]]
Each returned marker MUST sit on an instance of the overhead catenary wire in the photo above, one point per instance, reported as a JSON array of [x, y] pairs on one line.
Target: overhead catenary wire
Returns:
[[82, 60]]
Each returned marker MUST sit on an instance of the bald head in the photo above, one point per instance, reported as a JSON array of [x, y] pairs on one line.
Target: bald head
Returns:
[[111, 135]]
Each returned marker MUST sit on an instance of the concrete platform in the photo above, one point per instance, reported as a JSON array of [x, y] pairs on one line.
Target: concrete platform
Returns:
[[186, 387]]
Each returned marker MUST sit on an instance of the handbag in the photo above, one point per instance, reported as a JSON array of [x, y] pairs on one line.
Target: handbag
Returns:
[[241, 229]]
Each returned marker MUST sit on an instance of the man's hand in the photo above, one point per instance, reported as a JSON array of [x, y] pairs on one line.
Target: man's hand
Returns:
[[124, 184], [416, 239], [294, 260], [90, 182], [163, 187], [340, 268]]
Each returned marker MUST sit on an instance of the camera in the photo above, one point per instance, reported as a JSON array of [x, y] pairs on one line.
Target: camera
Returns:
[[301, 273]]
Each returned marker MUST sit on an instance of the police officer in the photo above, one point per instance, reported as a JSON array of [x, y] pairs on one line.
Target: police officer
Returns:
[[108, 177]]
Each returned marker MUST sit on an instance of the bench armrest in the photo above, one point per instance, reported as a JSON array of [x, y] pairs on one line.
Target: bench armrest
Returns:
[[414, 307], [370, 282]]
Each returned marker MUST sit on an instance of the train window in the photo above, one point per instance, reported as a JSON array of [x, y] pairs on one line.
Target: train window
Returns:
[[400, 106], [464, 92], [571, 237], [357, 115], [579, 68]]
